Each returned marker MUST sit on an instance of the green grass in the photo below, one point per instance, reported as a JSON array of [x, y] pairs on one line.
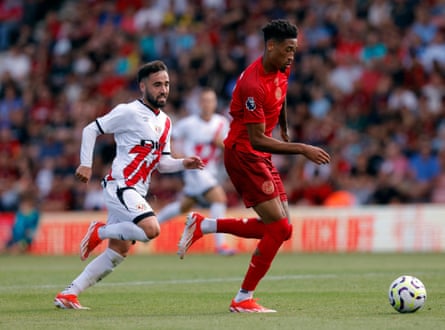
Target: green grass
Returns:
[[310, 291]]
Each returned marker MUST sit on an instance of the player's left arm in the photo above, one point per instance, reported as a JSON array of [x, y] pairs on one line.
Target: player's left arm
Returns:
[[168, 164], [282, 120], [177, 147], [193, 162], [262, 142]]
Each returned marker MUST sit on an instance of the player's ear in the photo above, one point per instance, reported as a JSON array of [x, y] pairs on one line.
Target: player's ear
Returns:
[[270, 44], [142, 86]]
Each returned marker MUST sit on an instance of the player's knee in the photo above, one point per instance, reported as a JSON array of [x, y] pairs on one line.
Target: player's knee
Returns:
[[151, 227], [281, 230], [286, 229], [289, 232], [152, 231]]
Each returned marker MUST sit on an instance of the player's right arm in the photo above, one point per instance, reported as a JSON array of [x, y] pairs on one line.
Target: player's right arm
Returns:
[[89, 136], [83, 173]]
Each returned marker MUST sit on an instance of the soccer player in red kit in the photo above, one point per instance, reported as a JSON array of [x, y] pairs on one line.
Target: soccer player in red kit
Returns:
[[258, 105]]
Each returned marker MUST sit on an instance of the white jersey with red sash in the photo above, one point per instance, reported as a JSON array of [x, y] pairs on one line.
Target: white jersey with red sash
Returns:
[[196, 137], [142, 137]]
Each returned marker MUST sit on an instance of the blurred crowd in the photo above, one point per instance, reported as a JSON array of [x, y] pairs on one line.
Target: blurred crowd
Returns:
[[368, 84]]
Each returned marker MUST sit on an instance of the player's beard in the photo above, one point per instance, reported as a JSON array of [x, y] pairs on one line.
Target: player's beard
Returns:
[[153, 101]]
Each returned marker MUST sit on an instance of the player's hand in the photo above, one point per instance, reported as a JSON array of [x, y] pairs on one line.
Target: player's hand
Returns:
[[83, 173], [316, 154], [193, 162]]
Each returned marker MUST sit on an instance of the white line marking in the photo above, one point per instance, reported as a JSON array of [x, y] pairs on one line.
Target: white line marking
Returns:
[[171, 282], [12, 288]]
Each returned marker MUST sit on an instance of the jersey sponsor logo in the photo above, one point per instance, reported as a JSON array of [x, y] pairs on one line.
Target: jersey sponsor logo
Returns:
[[268, 187], [152, 144], [250, 103]]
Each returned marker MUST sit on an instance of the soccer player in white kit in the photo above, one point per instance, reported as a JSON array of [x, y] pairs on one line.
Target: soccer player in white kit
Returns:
[[142, 134], [202, 135]]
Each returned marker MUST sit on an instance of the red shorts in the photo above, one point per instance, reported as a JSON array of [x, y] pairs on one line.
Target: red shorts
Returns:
[[255, 178]]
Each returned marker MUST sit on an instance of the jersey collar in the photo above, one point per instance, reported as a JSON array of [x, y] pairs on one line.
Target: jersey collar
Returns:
[[155, 111]]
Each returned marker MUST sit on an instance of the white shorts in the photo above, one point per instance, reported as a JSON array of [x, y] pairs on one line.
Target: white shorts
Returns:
[[198, 182], [125, 204]]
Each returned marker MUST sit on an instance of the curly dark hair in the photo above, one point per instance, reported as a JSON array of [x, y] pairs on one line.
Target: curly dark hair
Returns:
[[279, 29]]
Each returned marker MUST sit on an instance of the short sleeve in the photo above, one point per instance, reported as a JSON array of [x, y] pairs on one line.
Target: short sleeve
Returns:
[[253, 101], [115, 121]]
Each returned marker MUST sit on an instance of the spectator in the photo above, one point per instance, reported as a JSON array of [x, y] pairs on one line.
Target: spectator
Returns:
[[402, 98], [10, 102], [17, 62], [423, 27], [434, 93], [438, 189], [25, 225], [374, 49], [434, 53], [11, 13], [379, 13], [425, 166]]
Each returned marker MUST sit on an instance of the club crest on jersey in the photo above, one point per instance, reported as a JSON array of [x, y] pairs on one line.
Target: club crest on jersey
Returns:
[[268, 187], [141, 207], [250, 103]]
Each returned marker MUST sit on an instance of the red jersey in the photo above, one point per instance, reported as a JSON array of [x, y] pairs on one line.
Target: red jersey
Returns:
[[257, 98]]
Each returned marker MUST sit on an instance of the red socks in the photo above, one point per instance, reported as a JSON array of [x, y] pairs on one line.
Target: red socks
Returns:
[[275, 234], [272, 235], [247, 228]]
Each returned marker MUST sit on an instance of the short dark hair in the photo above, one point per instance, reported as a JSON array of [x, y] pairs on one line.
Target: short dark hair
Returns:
[[279, 29], [149, 68]]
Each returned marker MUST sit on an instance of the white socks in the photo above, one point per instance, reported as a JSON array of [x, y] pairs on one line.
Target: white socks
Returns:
[[243, 295], [218, 210], [169, 212], [126, 231], [95, 271], [208, 226]]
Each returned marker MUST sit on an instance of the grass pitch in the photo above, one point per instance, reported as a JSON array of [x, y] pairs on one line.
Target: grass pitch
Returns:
[[310, 291]]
